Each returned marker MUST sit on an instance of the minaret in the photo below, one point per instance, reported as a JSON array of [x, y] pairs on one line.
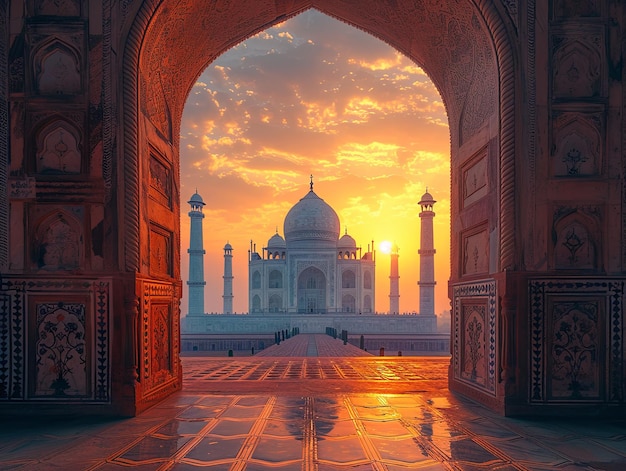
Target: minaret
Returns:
[[228, 279], [427, 257], [196, 281], [394, 282]]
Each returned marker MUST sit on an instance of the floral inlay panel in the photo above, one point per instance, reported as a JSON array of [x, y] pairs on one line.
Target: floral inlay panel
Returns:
[[61, 356], [577, 345], [575, 358]]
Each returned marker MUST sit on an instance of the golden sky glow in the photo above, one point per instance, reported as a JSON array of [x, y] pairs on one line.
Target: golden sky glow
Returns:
[[315, 96]]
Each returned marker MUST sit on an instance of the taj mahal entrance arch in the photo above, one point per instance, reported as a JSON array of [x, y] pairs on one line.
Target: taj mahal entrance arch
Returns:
[[93, 95]]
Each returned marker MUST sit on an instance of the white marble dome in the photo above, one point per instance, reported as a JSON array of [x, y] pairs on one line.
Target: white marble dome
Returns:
[[346, 242], [276, 242], [311, 219]]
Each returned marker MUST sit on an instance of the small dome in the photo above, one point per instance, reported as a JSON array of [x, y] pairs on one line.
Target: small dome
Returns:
[[276, 242], [427, 198], [196, 199], [312, 219], [346, 242], [228, 246]]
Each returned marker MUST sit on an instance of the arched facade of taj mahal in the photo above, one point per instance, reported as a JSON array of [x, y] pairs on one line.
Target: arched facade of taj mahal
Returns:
[[91, 98]]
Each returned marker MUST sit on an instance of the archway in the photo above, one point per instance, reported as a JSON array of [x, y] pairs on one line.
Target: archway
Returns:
[[311, 293], [529, 87], [464, 49]]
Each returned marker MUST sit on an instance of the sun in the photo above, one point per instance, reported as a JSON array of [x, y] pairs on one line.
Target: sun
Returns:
[[385, 246]]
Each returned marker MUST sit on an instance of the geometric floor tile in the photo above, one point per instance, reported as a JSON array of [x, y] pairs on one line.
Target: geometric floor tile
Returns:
[[326, 413]]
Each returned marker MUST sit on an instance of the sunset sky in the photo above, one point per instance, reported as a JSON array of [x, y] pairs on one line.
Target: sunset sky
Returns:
[[315, 96]]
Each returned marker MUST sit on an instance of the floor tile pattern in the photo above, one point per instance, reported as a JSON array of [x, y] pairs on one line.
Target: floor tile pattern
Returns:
[[319, 429]]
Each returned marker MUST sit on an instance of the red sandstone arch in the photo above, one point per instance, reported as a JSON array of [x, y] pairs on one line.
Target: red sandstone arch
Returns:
[[463, 45]]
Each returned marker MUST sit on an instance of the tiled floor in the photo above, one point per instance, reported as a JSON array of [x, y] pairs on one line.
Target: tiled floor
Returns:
[[274, 412]]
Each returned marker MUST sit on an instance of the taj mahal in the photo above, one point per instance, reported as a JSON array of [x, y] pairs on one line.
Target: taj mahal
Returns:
[[311, 280], [312, 269]]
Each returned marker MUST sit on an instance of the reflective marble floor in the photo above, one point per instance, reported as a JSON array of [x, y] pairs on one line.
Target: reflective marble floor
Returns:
[[308, 405]]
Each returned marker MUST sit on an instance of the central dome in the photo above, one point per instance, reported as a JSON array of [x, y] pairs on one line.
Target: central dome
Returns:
[[311, 219]]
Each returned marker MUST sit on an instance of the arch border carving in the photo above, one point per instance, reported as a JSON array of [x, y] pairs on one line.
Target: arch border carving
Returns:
[[506, 66], [4, 137]]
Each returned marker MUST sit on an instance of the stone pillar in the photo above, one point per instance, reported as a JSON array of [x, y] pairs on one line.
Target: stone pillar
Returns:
[[394, 282], [228, 279], [196, 252], [427, 257]]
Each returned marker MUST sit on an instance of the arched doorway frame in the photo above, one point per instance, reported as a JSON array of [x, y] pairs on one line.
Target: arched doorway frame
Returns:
[[505, 59], [499, 34]]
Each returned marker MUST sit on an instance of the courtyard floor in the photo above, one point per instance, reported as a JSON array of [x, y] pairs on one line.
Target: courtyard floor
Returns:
[[312, 403]]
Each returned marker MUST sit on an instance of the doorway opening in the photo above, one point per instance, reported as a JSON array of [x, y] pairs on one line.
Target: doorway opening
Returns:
[[313, 95]]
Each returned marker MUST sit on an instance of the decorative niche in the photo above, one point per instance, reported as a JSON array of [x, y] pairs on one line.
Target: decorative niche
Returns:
[[57, 70], [58, 149]]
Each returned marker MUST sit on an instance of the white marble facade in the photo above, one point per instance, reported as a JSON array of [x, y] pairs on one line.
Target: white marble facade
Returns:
[[311, 270]]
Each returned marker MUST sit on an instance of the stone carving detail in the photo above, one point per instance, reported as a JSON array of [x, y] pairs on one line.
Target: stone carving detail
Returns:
[[475, 180], [70, 351], [58, 243], [474, 343], [511, 6], [58, 150], [475, 253], [157, 334], [576, 238], [22, 188], [161, 341], [57, 71], [574, 324], [577, 66], [474, 339], [57, 7], [575, 356], [160, 251], [577, 145], [160, 182], [60, 349]]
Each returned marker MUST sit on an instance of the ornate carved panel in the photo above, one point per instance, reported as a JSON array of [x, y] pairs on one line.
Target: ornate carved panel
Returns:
[[160, 181], [160, 251], [474, 334], [157, 335], [54, 59], [577, 65], [64, 347], [576, 238], [57, 72], [58, 149], [22, 188], [575, 361], [57, 238], [60, 348], [577, 340], [475, 179], [475, 251], [577, 144]]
